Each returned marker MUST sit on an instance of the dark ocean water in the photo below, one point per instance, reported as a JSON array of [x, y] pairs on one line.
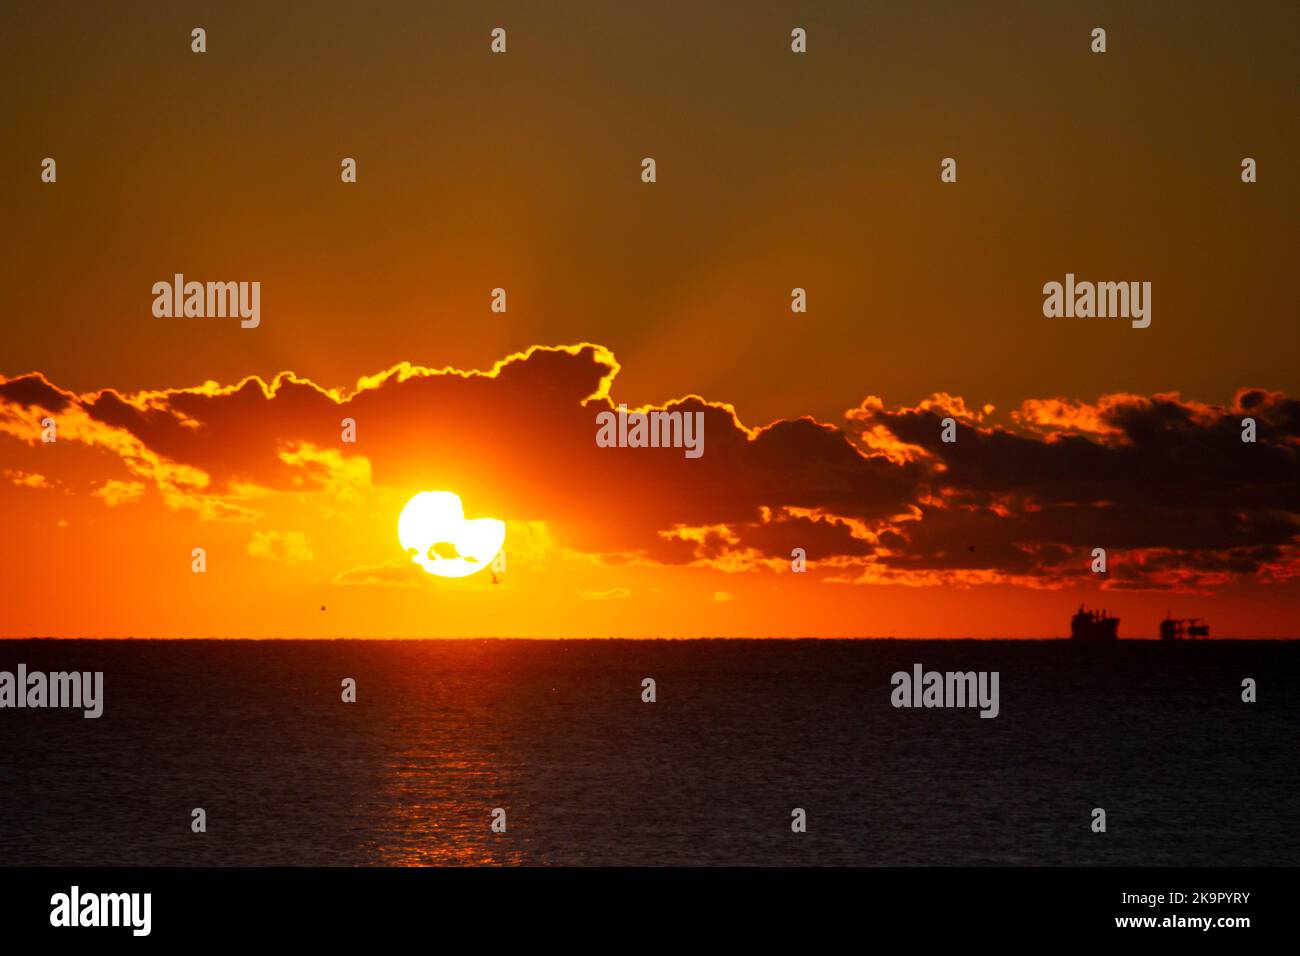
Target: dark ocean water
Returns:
[[556, 733]]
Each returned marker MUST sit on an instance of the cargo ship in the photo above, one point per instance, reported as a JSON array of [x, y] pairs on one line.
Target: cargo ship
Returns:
[[1093, 626], [1182, 628]]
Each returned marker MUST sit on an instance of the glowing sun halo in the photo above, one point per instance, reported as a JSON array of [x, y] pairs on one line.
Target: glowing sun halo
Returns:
[[434, 531]]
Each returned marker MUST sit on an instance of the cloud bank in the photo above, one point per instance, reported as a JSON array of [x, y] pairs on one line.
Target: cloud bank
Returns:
[[1166, 485]]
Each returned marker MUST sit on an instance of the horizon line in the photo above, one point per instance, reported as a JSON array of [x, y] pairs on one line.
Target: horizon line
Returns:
[[714, 637]]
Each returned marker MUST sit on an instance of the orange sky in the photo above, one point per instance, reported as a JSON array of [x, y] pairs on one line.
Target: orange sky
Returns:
[[774, 171], [904, 535]]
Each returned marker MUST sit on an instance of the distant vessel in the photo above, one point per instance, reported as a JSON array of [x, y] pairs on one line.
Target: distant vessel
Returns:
[[1093, 626], [1182, 628]]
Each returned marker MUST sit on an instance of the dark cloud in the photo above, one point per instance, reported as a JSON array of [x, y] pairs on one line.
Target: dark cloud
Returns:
[[1131, 474], [33, 391], [1167, 486]]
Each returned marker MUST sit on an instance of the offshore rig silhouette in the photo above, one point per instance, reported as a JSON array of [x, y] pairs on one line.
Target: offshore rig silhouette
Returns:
[[1182, 628]]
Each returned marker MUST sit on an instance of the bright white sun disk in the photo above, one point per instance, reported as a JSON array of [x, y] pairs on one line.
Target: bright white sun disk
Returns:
[[433, 530]]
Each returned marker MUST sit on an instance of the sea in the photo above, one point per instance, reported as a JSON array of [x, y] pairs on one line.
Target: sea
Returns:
[[553, 741]]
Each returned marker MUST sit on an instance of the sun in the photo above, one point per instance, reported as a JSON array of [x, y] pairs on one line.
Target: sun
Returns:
[[433, 530]]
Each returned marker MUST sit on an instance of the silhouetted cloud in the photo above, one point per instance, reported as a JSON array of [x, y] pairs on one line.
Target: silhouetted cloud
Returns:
[[1166, 485]]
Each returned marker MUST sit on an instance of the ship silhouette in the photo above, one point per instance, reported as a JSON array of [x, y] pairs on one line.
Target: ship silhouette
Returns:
[[1182, 628], [1093, 626]]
